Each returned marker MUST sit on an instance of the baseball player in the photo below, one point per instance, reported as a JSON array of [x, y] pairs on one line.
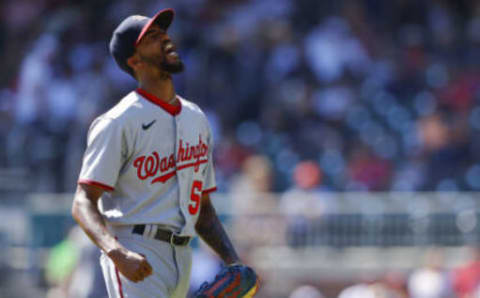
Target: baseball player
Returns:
[[147, 172]]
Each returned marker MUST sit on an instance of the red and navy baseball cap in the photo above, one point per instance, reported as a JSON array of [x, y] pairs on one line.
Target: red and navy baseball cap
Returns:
[[129, 33]]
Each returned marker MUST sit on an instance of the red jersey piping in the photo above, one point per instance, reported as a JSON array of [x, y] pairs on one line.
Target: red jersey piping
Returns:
[[119, 282], [210, 190], [96, 183], [169, 108]]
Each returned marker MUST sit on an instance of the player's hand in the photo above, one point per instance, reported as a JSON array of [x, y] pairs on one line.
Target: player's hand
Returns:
[[132, 265]]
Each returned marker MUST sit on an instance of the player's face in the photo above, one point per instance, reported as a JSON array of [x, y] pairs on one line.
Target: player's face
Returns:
[[157, 49]]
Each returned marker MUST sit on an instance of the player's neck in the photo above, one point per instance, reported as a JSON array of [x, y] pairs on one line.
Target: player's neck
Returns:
[[163, 89]]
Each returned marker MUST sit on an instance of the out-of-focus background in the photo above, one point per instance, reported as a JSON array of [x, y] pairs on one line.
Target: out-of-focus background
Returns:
[[347, 140]]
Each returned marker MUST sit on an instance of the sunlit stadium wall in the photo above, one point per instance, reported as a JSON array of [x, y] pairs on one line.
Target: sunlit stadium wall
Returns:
[[328, 239]]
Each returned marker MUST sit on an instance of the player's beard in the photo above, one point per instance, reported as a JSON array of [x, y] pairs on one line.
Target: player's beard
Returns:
[[164, 65], [172, 68]]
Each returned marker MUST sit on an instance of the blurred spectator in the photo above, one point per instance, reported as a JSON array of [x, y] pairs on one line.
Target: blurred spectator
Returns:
[[306, 291], [446, 145], [396, 284], [35, 75], [254, 206], [73, 268], [367, 171], [466, 279], [432, 279], [357, 291], [332, 49], [374, 290], [256, 177], [302, 204]]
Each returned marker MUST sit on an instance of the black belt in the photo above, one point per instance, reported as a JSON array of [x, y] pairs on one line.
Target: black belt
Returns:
[[163, 235]]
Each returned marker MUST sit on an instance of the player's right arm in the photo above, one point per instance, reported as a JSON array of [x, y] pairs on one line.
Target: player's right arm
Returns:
[[85, 211]]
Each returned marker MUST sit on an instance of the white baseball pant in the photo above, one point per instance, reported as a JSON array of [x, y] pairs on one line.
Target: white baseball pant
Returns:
[[171, 267]]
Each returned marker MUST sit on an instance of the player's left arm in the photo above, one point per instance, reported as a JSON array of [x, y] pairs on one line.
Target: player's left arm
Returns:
[[210, 229]]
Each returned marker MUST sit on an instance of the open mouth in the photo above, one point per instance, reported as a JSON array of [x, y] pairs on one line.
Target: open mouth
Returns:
[[170, 50]]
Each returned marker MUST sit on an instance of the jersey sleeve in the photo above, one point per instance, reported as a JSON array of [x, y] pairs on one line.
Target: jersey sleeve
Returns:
[[103, 157], [210, 183]]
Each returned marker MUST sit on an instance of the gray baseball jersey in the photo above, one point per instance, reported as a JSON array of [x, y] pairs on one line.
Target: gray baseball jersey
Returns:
[[154, 160]]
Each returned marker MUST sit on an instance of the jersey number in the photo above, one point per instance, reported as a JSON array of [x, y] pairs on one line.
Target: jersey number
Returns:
[[195, 197]]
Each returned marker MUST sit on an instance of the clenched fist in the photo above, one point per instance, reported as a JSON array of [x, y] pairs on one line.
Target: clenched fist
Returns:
[[132, 265]]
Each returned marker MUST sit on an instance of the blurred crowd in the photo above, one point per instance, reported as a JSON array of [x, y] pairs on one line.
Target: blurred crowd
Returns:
[[381, 95]]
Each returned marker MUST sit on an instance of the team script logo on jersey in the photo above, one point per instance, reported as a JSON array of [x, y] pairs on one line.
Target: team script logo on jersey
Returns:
[[165, 167]]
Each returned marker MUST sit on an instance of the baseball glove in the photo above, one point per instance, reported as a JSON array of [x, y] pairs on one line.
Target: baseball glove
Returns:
[[234, 281]]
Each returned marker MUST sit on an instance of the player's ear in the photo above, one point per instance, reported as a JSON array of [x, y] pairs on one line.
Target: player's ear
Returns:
[[134, 61]]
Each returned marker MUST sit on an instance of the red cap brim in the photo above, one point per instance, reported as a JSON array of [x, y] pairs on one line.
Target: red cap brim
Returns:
[[163, 18]]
